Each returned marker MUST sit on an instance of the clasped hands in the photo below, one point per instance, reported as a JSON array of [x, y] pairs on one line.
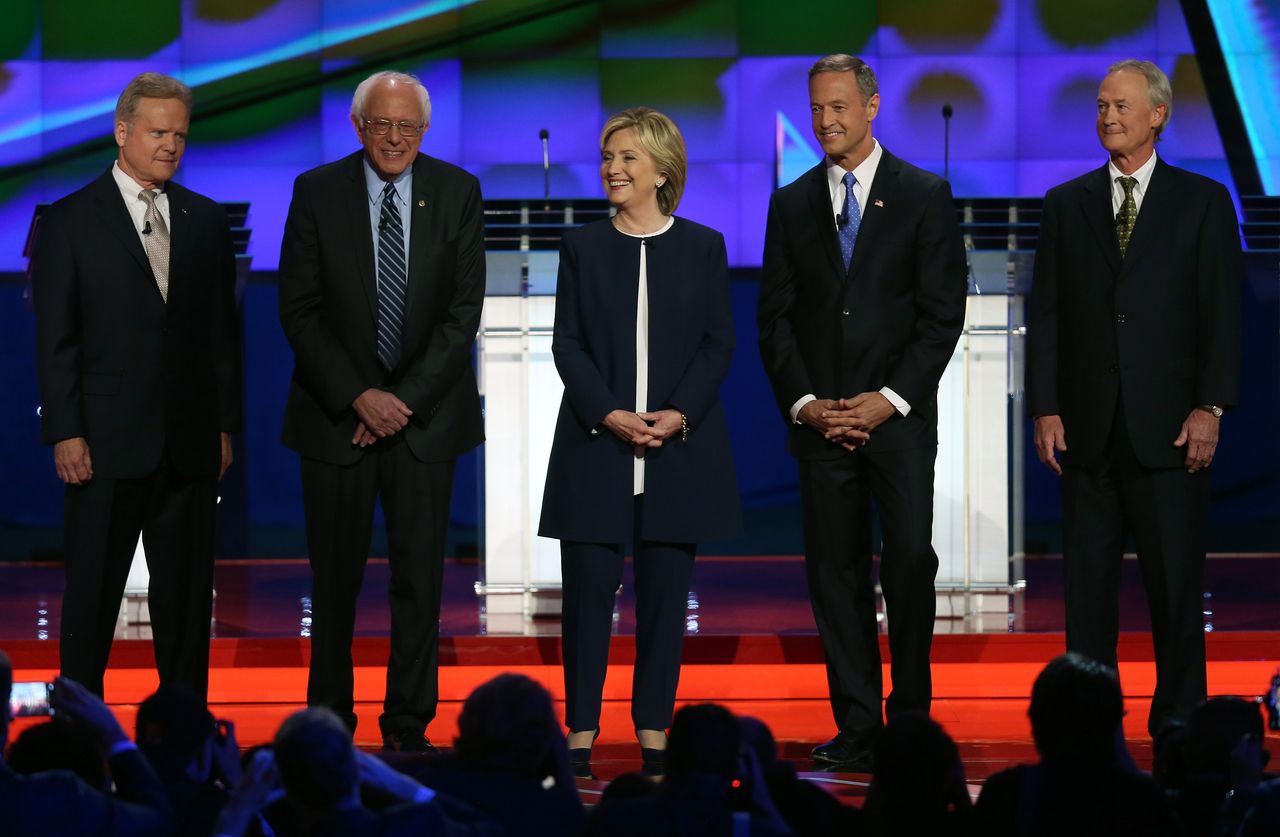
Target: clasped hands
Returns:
[[643, 430], [847, 422], [381, 415]]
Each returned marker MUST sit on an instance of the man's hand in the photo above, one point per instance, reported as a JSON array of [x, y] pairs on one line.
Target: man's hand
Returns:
[[255, 788], [1200, 437], [865, 411], [78, 703], [817, 414], [226, 454], [666, 423], [1051, 439], [629, 427], [381, 412], [72, 461], [362, 436], [226, 753]]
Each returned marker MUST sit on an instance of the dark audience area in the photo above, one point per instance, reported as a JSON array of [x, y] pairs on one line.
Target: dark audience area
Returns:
[[508, 773]]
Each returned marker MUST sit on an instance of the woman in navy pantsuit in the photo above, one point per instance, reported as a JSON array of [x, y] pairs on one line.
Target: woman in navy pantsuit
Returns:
[[643, 340]]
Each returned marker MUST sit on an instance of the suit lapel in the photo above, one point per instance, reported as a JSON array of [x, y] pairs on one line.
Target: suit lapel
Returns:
[[1156, 214], [422, 205], [179, 229], [820, 205], [357, 203], [884, 191], [1101, 216], [116, 218]]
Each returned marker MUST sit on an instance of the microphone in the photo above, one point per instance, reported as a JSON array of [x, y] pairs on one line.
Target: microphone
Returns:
[[840, 221], [146, 229], [946, 140], [544, 135]]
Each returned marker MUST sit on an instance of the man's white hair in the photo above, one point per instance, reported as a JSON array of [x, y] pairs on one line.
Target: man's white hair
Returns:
[[362, 92]]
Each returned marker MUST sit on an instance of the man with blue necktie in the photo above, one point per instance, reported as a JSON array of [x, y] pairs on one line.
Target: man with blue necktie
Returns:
[[381, 285], [862, 300]]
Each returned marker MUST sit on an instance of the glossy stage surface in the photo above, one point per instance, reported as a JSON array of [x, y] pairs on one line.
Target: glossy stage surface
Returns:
[[750, 644]]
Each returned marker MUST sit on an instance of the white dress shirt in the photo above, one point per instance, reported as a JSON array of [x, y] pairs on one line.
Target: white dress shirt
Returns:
[[642, 342], [1142, 175], [137, 207], [863, 174]]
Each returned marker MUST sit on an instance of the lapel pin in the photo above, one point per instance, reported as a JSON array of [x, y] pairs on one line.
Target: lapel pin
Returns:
[[421, 202], [880, 204]]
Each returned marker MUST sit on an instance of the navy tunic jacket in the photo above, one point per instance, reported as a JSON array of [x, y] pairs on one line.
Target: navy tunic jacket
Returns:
[[690, 491]]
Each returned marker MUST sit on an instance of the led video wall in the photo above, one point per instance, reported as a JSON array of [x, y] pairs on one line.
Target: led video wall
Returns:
[[273, 81]]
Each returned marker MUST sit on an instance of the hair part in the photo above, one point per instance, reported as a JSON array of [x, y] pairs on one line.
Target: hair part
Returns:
[[658, 137], [842, 63], [361, 97], [150, 86], [1159, 91]]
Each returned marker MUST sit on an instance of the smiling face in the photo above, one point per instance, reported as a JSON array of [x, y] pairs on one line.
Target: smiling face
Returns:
[[1126, 120], [841, 119], [629, 175], [151, 145], [391, 153]]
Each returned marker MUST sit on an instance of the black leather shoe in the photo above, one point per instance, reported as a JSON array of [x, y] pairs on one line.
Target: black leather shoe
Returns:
[[580, 758], [406, 742], [845, 750]]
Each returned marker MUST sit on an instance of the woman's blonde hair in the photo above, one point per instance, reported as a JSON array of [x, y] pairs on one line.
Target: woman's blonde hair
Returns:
[[658, 137]]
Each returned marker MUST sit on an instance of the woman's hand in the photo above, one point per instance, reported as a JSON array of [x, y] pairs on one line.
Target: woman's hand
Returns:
[[665, 424], [631, 428]]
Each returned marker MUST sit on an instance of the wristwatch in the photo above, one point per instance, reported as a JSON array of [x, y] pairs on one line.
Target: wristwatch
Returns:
[[1211, 408]]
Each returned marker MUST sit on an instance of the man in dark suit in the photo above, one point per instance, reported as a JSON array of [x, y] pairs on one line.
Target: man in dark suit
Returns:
[[381, 286], [862, 299], [1133, 354], [138, 357]]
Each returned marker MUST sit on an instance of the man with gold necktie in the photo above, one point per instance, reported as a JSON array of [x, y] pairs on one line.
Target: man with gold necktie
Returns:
[[138, 359], [1133, 355]]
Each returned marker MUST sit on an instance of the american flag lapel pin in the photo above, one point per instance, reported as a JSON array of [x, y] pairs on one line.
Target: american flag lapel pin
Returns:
[[880, 203]]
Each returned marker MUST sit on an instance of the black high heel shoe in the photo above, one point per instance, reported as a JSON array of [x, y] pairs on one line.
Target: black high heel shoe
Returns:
[[653, 761], [580, 757]]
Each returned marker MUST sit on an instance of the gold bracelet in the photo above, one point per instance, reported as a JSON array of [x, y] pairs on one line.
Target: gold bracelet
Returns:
[[684, 428]]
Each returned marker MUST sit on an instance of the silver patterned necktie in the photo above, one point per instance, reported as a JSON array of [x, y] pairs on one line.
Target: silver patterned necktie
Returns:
[[156, 235], [393, 279]]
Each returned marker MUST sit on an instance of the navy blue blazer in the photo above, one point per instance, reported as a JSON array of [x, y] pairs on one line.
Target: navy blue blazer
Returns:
[[691, 493]]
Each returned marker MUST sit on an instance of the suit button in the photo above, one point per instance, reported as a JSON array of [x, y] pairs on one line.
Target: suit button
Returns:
[[1120, 318], [845, 312], [1113, 368], [595, 432]]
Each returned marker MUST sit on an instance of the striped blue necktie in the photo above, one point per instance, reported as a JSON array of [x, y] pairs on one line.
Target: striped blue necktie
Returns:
[[392, 279], [851, 220]]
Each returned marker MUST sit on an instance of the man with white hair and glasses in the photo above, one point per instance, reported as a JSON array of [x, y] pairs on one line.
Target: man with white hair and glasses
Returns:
[[381, 285]]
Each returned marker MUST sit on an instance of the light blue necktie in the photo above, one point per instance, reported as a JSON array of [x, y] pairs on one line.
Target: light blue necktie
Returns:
[[852, 219], [392, 279]]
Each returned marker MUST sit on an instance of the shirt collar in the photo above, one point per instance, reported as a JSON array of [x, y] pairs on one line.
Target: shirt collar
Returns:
[[128, 187], [864, 173], [375, 184], [1142, 175]]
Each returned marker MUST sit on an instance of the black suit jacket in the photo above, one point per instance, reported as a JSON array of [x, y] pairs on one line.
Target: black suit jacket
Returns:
[[892, 320], [329, 309], [691, 494], [118, 365], [1157, 331]]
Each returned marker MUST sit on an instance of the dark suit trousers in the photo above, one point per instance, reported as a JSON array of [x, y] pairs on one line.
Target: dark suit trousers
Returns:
[[836, 496], [338, 501], [175, 515], [591, 574], [1165, 509]]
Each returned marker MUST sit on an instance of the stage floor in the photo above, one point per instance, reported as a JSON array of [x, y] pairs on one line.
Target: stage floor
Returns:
[[750, 644]]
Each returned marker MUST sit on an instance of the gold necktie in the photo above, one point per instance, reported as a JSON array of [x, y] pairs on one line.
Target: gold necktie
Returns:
[[1128, 214]]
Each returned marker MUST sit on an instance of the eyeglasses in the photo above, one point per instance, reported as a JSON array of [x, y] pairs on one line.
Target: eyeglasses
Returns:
[[381, 127]]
